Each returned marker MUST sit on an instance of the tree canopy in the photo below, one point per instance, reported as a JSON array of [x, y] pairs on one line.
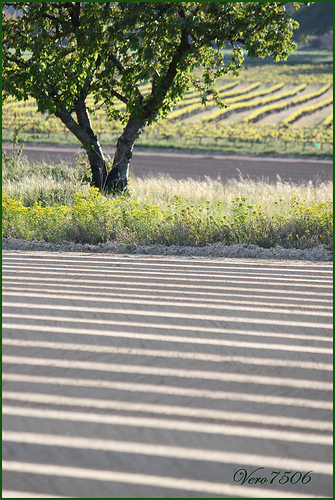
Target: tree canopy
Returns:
[[61, 52]]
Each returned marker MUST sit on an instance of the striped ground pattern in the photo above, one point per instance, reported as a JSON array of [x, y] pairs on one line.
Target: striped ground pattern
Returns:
[[174, 377]]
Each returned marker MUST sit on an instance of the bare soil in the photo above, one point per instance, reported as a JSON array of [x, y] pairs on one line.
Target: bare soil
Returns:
[[165, 377], [200, 164], [215, 251]]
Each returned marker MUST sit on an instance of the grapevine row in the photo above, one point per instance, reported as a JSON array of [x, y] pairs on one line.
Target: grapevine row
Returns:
[[298, 113], [245, 132], [252, 95], [194, 94], [328, 122], [241, 106], [273, 108], [196, 107]]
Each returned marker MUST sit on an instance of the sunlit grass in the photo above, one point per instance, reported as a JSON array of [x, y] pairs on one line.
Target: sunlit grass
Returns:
[[41, 182], [161, 191]]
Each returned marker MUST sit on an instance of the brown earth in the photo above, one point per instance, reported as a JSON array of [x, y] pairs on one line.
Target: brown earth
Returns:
[[181, 165]]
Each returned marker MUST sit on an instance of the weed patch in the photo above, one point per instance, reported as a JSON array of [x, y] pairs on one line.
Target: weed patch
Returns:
[[57, 204], [94, 219]]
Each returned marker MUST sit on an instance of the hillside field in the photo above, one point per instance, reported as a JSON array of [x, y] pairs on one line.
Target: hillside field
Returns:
[[271, 109]]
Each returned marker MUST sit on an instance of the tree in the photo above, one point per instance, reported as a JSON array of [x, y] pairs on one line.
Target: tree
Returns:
[[59, 53]]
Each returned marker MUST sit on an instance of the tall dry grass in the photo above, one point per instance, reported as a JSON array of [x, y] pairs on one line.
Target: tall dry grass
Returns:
[[161, 190]]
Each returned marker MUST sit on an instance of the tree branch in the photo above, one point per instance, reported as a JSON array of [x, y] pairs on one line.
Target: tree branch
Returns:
[[89, 79], [74, 10], [83, 116], [121, 68], [116, 61], [49, 16], [63, 114], [240, 40], [119, 96], [171, 73]]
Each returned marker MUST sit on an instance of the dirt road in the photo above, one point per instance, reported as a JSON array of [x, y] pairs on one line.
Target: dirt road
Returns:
[[176, 377], [181, 165]]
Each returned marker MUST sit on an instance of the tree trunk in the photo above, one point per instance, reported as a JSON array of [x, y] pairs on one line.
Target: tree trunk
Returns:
[[84, 133], [93, 149], [117, 178], [97, 163]]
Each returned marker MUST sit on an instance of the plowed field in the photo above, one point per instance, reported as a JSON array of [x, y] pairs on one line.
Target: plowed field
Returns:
[[176, 377]]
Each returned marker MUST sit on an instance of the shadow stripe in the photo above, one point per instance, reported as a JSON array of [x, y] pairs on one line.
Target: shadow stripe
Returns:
[[175, 391], [155, 352], [174, 425], [161, 314], [157, 294], [165, 451], [298, 281], [82, 296], [162, 327], [164, 262], [143, 286], [170, 372], [146, 479]]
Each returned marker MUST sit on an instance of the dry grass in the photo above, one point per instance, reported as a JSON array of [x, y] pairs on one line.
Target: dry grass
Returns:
[[160, 191]]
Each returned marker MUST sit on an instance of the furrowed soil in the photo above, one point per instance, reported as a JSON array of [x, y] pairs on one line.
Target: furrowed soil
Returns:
[[166, 376]]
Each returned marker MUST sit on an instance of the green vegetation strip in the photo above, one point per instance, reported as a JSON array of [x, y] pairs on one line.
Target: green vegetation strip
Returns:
[[39, 204], [95, 219]]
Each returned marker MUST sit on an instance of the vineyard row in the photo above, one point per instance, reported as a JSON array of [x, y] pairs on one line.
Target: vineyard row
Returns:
[[239, 131], [298, 113], [278, 106], [194, 94], [245, 132], [244, 96], [238, 93]]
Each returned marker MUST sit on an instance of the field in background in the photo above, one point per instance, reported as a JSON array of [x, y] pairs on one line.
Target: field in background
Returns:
[[272, 109]]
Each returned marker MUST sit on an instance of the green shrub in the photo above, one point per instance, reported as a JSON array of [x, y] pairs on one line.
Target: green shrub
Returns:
[[36, 222]]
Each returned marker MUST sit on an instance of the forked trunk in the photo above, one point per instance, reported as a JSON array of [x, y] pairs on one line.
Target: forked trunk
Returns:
[[117, 178], [84, 133]]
